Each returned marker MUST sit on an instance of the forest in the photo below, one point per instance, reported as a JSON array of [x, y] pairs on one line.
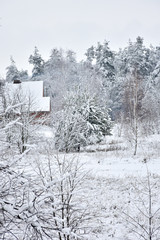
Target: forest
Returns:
[[86, 170]]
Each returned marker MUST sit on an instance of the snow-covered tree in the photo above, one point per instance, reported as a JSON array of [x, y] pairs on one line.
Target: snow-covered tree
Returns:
[[12, 194], [17, 119], [55, 77], [12, 72], [37, 62], [63, 204], [23, 75], [90, 54], [136, 56], [133, 110], [143, 213], [103, 58], [46, 201], [81, 122]]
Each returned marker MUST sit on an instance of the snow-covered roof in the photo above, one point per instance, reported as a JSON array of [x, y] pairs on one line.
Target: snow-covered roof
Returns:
[[30, 92]]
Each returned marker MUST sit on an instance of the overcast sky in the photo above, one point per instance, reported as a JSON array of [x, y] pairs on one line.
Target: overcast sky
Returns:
[[73, 24]]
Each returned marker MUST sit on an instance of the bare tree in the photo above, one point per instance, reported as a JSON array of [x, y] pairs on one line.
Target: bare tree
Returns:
[[18, 121], [67, 203], [143, 214], [133, 112], [14, 199]]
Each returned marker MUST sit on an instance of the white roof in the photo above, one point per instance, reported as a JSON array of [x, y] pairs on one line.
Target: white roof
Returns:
[[30, 92]]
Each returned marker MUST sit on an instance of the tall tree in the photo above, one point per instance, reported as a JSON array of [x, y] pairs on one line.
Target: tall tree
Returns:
[[38, 63], [103, 58], [23, 75], [134, 56], [12, 72]]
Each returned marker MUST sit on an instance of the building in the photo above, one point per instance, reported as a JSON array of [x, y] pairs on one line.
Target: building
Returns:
[[29, 95]]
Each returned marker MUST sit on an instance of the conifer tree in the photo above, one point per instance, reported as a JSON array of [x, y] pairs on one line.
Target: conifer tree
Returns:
[[12, 72], [81, 122], [38, 63]]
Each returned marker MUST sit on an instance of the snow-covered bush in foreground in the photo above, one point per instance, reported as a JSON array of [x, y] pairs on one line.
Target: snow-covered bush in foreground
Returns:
[[47, 202]]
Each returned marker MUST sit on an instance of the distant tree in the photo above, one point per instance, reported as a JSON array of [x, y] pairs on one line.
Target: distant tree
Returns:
[[90, 54], [134, 56], [55, 62], [133, 110], [103, 58], [38, 63], [150, 104], [54, 80], [105, 61], [2, 83], [12, 72], [23, 75], [72, 69]]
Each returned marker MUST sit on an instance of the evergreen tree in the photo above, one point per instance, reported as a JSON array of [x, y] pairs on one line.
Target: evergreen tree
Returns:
[[12, 72], [135, 56], [38, 63], [23, 75], [104, 60], [81, 122], [54, 80], [155, 74], [71, 68], [61, 74], [55, 61], [90, 54]]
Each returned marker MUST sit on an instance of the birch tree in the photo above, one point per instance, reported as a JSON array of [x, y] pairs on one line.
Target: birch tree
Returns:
[[133, 111]]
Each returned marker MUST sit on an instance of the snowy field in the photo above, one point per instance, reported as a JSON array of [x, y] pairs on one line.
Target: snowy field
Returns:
[[113, 170], [116, 185]]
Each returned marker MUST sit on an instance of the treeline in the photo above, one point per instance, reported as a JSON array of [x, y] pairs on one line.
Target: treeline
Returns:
[[126, 81], [101, 64]]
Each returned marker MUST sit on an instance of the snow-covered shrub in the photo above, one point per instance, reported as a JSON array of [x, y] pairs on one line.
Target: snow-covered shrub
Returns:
[[18, 123], [48, 201], [62, 203], [82, 121]]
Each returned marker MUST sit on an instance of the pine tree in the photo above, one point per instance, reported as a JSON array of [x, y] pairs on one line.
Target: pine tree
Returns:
[[12, 72], [104, 60], [81, 122], [23, 75], [90, 54], [38, 63], [100, 119], [134, 56]]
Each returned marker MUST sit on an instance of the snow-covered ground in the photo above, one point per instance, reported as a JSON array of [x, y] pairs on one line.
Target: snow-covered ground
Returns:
[[113, 171], [114, 182]]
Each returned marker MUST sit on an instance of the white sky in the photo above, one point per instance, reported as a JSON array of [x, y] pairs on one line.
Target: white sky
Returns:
[[72, 24]]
